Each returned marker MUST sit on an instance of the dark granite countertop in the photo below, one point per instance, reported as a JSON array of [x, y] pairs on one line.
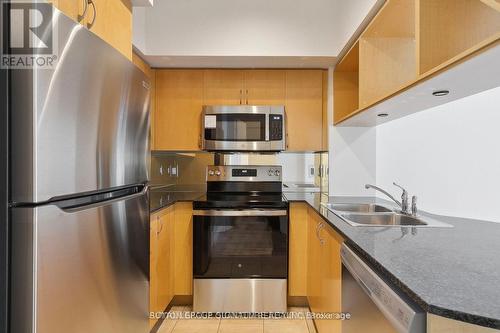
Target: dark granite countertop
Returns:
[[450, 272]]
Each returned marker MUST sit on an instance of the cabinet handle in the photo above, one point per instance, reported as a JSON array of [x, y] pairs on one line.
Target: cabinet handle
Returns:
[[318, 230], [85, 7], [91, 24], [161, 223]]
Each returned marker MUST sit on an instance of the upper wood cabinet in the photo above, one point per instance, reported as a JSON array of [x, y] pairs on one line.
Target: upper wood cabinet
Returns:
[[223, 87], [181, 94], [72, 8], [113, 23], [264, 87], [395, 64], [250, 87], [304, 110], [179, 102], [109, 19]]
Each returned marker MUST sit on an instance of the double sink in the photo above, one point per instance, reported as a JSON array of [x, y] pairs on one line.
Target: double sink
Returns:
[[375, 215]]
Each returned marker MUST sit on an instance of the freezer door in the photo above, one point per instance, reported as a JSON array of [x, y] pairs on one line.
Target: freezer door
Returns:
[[82, 126], [82, 269]]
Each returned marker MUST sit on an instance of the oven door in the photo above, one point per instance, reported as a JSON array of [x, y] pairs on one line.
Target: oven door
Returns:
[[240, 244]]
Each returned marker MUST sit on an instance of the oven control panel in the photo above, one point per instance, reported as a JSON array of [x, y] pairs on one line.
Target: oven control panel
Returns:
[[250, 173]]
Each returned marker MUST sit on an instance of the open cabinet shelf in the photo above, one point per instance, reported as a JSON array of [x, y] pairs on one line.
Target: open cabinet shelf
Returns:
[[387, 52], [448, 28], [346, 81], [407, 43]]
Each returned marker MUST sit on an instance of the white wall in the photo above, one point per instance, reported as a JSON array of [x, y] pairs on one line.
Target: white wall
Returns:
[[448, 155], [348, 16], [239, 28], [352, 161]]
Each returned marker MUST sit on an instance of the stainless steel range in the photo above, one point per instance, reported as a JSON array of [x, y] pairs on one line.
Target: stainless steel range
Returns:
[[240, 243]]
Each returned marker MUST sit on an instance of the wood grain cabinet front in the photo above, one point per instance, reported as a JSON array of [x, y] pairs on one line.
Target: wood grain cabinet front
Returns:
[[179, 102], [111, 20], [170, 256], [304, 110], [324, 272], [161, 261], [181, 94]]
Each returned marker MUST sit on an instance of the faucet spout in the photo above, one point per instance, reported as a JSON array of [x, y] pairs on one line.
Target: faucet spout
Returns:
[[376, 188]]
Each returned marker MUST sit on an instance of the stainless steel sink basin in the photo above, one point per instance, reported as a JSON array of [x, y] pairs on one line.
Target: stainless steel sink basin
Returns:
[[391, 219], [359, 208], [374, 215]]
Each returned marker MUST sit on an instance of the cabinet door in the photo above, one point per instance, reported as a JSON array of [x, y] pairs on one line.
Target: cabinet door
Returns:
[[153, 259], [313, 262], [297, 262], [223, 87], [304, 109], [165, 257], [72, 8], [183, 239], [177, 118], [264, 87], [113, 23]]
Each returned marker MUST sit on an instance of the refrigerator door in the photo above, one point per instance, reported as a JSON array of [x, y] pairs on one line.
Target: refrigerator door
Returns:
[[81, 269], [82, 126]]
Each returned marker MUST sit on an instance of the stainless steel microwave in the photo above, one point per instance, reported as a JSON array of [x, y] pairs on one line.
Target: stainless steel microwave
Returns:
[[243, 128]]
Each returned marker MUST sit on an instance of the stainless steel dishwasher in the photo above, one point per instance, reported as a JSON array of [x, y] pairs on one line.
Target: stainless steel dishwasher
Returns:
[[375, 306]]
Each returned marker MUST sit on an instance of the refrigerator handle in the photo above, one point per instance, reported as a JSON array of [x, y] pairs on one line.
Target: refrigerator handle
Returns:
[[82, 202]]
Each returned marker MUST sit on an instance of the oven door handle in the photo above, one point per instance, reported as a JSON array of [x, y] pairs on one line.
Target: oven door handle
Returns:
[[235, 212]]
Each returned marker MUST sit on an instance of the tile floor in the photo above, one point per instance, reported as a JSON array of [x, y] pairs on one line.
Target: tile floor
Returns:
[[235, 325]]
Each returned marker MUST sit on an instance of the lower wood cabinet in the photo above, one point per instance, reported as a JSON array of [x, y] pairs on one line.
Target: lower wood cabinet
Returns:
[[183, 248], [170, 255], [314, 264], [297, 252], [161, 269], [325, 271]]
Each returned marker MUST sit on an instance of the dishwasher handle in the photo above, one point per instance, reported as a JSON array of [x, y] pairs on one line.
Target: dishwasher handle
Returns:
[[402, 314]]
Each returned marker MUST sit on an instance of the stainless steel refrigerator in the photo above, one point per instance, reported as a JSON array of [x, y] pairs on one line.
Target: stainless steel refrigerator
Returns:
[[78, 200]]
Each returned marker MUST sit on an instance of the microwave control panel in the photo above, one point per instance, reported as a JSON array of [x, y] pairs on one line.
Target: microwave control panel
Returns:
[[275, 127]]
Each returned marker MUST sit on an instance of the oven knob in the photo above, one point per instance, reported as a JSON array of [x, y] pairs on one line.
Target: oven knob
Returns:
[[277, 173], [270, 172], [210, 172], [217, 173]]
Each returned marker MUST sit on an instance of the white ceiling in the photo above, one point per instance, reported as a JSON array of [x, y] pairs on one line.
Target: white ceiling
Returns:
[[246, 34]]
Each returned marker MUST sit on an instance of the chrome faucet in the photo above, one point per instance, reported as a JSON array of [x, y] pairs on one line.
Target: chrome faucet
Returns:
[[404, 199]]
